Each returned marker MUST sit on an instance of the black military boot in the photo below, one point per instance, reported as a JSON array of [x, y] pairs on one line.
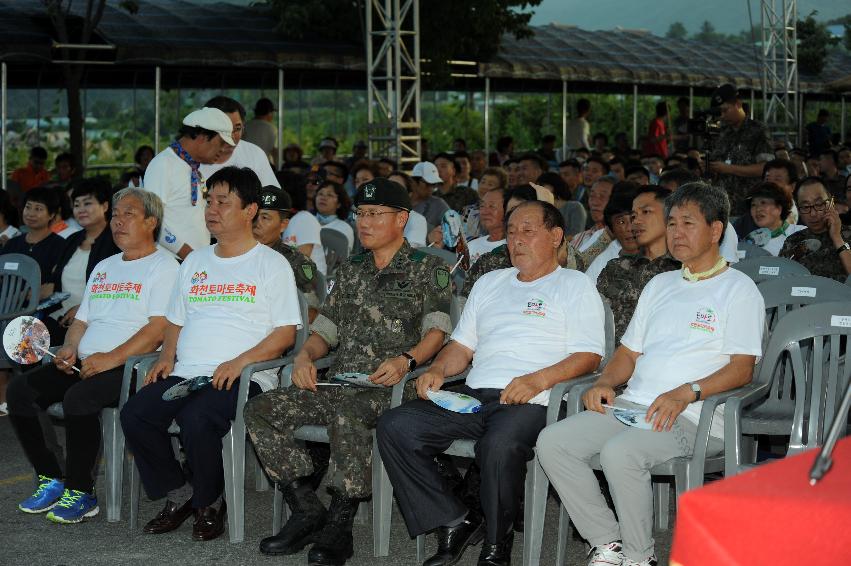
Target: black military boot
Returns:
[[308, 517], [334, 544]]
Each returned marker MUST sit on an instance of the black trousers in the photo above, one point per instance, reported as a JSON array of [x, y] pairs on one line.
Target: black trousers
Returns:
[[82, 400], [204, 418], [410, 436]]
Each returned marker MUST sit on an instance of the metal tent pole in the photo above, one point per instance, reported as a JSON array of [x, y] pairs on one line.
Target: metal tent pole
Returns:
[[841, 119], [280, 156], [488, 117], [563, 120], [691, 102], [157, 80], [634, 115], [3, 73]]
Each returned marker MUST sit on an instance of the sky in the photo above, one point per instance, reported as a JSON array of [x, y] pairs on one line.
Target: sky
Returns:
[[728, 16]]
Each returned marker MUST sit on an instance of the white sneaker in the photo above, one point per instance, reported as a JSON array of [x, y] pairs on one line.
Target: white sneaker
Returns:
[[650, 561], [606, 554]]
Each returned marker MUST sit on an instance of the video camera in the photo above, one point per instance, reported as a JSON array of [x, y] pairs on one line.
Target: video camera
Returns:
[[705, 123]]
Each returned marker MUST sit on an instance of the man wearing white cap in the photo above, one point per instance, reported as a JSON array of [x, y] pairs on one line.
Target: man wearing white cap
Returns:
[[174, 175], [426, 178]]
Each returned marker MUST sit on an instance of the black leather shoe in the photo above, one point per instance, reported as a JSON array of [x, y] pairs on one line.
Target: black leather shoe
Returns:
[[307, 519], [209, 522], [453, 541], [498, 554], [171, 517]]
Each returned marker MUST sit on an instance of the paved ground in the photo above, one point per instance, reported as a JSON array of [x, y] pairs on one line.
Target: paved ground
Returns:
[[27, 540]]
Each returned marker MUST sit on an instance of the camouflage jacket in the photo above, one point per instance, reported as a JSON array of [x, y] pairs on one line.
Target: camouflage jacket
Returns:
[[373, 314], [824, 261], [622, 281], [304, 270], [746, 145], [498, 258], [459, 197]]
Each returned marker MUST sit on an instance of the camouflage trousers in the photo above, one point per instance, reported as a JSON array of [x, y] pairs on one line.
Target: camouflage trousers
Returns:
[[350, 413]]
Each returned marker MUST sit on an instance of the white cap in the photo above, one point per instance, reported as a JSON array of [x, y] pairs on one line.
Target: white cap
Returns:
[[211, 119], [426, 171]]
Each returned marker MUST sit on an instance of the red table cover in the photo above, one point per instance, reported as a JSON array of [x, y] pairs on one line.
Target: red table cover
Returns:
[[769, 515]]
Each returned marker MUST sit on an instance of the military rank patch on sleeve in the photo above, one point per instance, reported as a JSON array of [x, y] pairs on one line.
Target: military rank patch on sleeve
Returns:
[[441, 277], [307, 270]]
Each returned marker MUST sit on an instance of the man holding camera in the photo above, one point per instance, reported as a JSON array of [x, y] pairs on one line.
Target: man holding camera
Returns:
[[742, 147]]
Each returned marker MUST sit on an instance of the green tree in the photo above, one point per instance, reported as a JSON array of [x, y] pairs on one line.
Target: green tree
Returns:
[[468, 30], [707, 33], [813, 41], [677, 31]]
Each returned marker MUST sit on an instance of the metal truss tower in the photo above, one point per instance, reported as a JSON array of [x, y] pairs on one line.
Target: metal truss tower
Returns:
[[780, 87], [393, 80]]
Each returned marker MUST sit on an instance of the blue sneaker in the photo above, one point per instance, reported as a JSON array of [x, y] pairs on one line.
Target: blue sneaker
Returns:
[[45, 497], [74, 507]]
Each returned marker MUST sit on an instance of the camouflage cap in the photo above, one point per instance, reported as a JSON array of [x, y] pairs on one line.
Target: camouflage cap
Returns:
[[381, 191]]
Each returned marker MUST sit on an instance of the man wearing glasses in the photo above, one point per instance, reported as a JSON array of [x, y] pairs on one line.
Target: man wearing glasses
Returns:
[[737, 156], [823, 247], [388, 312]]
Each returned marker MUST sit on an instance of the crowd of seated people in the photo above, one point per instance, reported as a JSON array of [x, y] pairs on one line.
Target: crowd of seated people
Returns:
[[209, 232]]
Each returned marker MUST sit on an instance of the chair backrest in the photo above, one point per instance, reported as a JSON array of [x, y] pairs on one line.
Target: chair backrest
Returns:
[[321, 284], [449, 257], [788, 293], [609, 327], [848, 280], [336, 247], [770, 267], [20, 280], [809, 340], [747, 250], [304, 332]]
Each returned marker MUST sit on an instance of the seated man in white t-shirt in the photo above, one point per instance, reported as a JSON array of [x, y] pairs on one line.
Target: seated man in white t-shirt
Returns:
[[244, 153], [122, 314], [491, 218], [234, 304], [695, 332], [524, 329]]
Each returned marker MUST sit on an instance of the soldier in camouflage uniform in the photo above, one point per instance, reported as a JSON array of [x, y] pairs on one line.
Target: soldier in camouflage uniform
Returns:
[[623, 279], [271, 221], [737, 156], [823, 247], [456, 196], [388, 310]]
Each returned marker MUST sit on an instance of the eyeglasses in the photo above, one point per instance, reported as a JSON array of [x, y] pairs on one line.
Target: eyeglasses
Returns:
[[362, 214], [816, 206]]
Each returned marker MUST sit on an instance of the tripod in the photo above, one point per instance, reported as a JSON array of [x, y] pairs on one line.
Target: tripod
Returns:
[[840, 421]]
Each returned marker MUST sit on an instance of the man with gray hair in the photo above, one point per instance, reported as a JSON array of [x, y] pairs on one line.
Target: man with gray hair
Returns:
[[695, 332], [122, 315]]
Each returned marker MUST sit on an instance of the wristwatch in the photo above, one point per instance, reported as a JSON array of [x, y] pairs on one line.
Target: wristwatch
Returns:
[[696, 388], [843, 247], [412, 363]]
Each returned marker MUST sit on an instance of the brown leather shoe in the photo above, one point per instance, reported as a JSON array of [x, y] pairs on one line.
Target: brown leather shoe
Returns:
[[209, 523], [169, 518]]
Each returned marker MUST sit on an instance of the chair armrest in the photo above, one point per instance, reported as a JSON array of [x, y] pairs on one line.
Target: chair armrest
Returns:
[[560, 389], [286, 378], [740, 398], [399, 388], [574, 400], [144, 361], [245, 380]]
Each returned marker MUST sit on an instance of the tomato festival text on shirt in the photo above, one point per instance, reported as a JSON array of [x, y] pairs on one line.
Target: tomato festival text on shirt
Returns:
[[223, 292], [127, 290]]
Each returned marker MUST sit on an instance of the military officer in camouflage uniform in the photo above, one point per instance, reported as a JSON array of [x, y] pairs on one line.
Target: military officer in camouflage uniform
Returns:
[[388, 311], [823, 247], [623, 279], [738, 155], [271, 221]]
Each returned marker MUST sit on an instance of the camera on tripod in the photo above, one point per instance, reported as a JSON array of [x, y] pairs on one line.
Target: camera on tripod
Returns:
[[705, 123]]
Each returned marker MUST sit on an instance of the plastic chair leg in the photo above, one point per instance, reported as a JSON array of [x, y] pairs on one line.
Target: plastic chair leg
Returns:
[[134, 496], [563, 536], [661, 498], [233, 458], [421, 539], [113, 451], [537, 487], [261, 482], [382, 504]]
